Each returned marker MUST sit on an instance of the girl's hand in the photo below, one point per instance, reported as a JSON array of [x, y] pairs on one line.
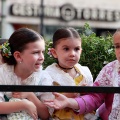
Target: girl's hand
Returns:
[[84, 84], [60, 101], [21, 95], [30, 108]]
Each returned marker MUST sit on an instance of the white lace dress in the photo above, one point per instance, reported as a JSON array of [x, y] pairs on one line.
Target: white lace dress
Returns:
[[115, 112], [54, 74], [8, 77], [110, 76]]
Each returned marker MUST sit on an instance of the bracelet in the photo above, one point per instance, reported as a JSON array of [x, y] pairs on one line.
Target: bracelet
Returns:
[[85, 105]]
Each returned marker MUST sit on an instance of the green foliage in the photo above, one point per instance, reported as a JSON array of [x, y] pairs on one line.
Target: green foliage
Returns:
[[96, 51]]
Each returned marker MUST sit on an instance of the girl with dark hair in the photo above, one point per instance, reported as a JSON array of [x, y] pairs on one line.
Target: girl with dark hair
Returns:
[[23, 57], [108, 105], [66, 49]]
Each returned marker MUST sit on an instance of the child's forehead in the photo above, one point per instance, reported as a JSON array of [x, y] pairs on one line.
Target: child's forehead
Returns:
[[69, 39], [116, 38], [70, 42], [38, 43], [116, 35]]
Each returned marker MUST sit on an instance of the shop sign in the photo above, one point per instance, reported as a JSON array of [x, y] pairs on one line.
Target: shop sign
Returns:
[[67, 12]]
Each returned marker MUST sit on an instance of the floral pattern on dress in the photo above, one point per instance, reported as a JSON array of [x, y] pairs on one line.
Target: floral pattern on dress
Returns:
[[110, 76], [105, 77], [8, 77], [21, 115]]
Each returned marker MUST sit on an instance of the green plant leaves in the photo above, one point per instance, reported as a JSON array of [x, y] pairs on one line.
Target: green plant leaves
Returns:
[[97, 51]]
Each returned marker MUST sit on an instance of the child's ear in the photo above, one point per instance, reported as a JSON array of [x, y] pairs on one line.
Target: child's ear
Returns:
[[17, 56], [53, 52]]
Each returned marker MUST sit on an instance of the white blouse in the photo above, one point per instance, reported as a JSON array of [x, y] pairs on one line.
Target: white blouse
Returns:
[[54, 74], [8, 77]]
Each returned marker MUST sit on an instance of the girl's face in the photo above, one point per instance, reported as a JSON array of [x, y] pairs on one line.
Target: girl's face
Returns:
[[32, 57], [116, 41], [68, 52]]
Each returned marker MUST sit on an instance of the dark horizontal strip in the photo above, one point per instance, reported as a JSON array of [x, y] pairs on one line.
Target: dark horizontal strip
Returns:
[[33, 88]]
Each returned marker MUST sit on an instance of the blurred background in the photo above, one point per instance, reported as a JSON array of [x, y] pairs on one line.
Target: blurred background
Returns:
[[45, 16]]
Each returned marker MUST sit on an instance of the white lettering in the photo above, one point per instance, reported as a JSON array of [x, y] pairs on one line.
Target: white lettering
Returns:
[[22, 10], [15, 9], [86, 14], [102, 15], [109, 16], [94, 14], [36, 9], [67, 12], [116, 16], [79, 13], [28, 11], [51, 11]]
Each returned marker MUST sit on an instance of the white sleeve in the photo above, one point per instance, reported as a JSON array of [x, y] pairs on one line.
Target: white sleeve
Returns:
[[45, 79], [1, 83], [2, 97], [89, 77], [85, 71]]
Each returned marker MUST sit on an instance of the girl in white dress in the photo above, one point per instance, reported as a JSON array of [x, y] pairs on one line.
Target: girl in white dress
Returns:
[[23, 58], [108, 104], [66, 49]]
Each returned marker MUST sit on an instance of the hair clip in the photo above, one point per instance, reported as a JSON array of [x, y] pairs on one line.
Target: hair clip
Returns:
[[5, 48], [49, 49]]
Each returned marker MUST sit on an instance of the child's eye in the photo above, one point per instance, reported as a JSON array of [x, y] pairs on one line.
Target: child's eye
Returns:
[[76, 49], [116, 46], [35, 52], [66, 49]]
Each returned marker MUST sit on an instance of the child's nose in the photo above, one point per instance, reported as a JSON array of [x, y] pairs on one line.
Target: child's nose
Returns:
[[72, 53], [41, 56]]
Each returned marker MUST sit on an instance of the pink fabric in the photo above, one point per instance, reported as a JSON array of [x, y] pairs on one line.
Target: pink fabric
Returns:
[[94, 101], [103, 101]]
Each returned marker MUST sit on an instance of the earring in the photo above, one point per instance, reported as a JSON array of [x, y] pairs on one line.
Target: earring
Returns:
[[20, 62]]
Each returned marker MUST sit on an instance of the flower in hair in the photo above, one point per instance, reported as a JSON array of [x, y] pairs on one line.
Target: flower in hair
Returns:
[[5, 48], [49, 49], [49, 52]]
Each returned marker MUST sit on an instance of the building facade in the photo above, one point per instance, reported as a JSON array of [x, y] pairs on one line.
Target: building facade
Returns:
[[45, 16]]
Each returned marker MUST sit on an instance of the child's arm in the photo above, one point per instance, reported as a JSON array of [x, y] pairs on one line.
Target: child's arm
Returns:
[[10, 107], [61, 102], [71, 95], [41, 108]]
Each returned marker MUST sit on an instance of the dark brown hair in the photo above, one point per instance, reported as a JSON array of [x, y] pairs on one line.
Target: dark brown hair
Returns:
[[64, 33], [18, 41]]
